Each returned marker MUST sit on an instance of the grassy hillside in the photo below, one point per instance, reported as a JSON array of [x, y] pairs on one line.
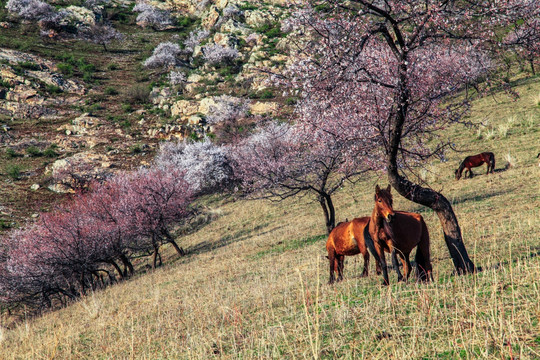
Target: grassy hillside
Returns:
[[253, 284]]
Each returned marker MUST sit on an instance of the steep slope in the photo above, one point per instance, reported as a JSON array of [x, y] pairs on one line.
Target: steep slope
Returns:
[[253, 283]]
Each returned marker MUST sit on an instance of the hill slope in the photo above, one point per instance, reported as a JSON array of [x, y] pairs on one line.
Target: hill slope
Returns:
[[253, 282]]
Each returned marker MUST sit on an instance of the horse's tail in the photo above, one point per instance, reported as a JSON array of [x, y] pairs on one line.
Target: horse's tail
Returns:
[[423, 256], [492, 162]]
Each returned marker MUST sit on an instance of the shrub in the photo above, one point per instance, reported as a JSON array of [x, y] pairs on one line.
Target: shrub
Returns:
[[53, 89], [109, 90], [30, 9], [33, 151], [50, 152], [138, 94], [151, 16], [177, 78], [66, 69], [11, 153], [163, 56], [13, 171], [100, 34], [194, 39], [216, 54], [227, 109]]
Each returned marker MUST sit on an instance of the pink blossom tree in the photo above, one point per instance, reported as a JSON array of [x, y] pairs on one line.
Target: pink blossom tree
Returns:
[[154, 200], [280, 161], [525, 38], [392, 66]]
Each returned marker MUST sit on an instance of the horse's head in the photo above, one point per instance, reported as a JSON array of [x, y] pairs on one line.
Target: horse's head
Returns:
[[459, 171], [384, 203]]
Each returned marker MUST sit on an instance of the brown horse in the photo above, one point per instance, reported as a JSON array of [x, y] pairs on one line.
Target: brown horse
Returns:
[[347, 238], [397, 232], [474, 161]]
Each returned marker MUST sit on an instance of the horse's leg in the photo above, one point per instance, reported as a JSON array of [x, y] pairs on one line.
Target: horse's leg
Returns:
[[384, 267], [395, 264], [340, 260], [406, 266], [333, 264], [366, 264]]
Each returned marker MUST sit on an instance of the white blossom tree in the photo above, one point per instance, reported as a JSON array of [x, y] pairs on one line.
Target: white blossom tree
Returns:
[[206, 165]]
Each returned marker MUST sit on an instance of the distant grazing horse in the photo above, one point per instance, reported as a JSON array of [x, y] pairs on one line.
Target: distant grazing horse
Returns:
[[474, 161], [347, 238], [397, 232]]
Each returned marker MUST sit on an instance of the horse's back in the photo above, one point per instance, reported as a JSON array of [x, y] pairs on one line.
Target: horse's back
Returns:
[[347, 238]]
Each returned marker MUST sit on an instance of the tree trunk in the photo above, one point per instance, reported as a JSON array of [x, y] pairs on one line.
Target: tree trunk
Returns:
[[171, 241], [127, 264], [447, 217], [419, 194], [329, 212], [115, 265]]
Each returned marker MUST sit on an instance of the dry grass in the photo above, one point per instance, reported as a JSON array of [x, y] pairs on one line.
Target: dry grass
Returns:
[[254, 282]]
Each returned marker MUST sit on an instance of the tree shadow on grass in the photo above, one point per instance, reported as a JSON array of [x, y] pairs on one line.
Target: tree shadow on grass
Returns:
[[241, 235]]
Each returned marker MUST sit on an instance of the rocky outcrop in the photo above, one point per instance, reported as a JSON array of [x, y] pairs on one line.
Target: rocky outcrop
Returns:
[[76, 172], [27, 78]]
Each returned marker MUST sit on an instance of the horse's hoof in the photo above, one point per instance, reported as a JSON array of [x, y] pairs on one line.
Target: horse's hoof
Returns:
[[385, 283]]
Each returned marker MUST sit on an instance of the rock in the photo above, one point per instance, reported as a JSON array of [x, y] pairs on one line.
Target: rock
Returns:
[[24, 94], [233, 26], [77, 15], [225, 39], [222, 4], [83, 124], [195, 120], [78, 171], [257, 18], [183, 108], [261, 108], [206, 104], [210, 19], [159, 96], [34, 187]]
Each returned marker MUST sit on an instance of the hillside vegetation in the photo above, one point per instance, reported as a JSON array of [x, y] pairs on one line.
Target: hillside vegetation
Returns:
[[253, 282]]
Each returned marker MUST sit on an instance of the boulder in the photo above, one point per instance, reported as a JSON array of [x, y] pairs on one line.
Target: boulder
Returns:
[[183, 108], [205, 105], [210, 18], [257, 18], [261, 108], [78, 15]]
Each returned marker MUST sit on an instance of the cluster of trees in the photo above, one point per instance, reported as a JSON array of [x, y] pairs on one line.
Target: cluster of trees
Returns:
[[373, 81], [93, 240]]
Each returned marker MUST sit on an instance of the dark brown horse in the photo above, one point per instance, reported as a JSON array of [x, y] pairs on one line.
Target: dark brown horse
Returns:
[[347, 239], [397, 232], [474, 161]]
